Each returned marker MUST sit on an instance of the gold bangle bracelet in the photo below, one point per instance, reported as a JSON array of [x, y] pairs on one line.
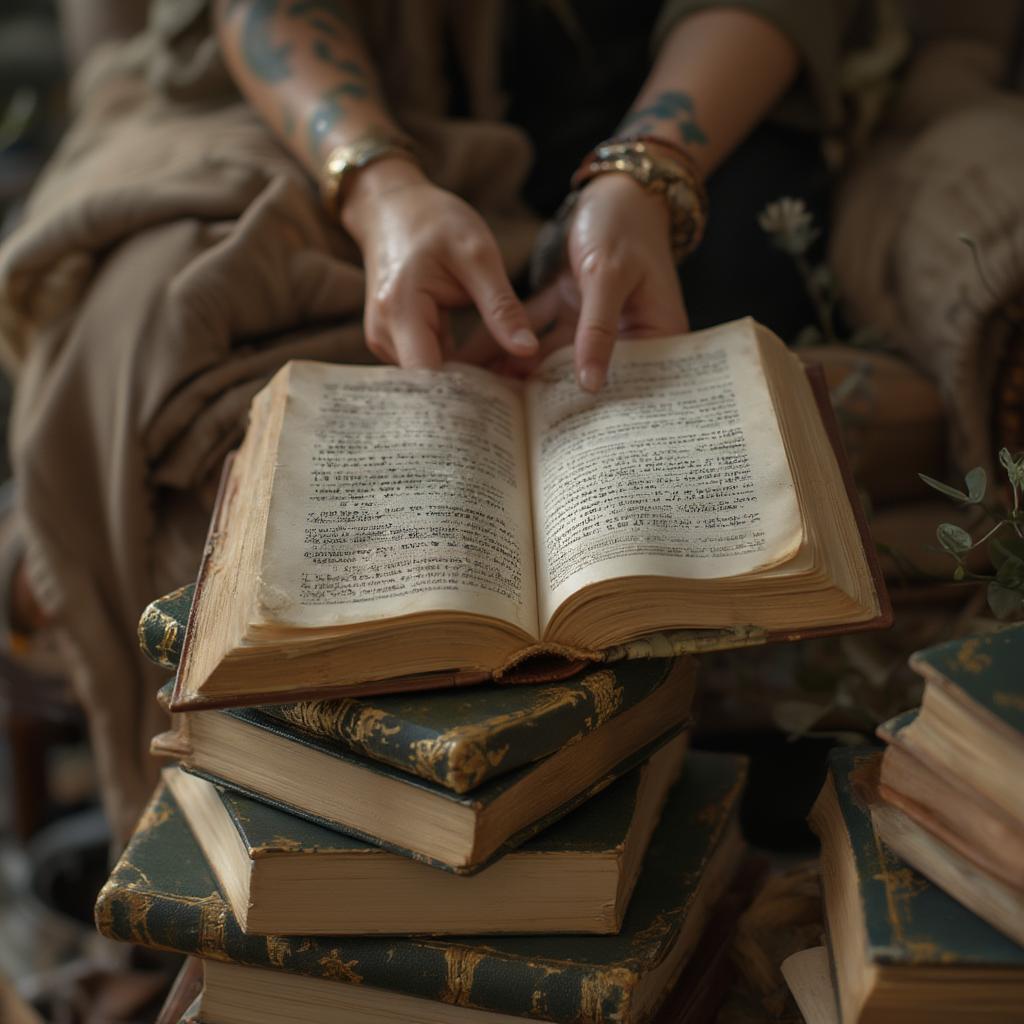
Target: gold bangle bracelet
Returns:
[[344, 162]]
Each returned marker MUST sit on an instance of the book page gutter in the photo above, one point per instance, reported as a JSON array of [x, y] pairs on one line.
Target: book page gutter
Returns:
[[676, 468], [399, 492]]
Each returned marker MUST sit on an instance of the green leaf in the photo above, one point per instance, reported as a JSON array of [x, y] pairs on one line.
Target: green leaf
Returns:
[[976, 481], [1003, 601], [953, 538], [938, 485], [1014, 466], [958, 573]]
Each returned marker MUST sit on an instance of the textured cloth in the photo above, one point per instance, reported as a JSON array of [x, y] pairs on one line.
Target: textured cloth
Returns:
[[949, 164]]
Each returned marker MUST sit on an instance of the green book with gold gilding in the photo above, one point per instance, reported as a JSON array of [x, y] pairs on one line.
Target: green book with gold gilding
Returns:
[[901, 948], [641, 706], [458, 738], [162, 894], [576, 876]]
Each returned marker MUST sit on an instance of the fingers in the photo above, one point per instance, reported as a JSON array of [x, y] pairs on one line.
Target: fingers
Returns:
[[604, 289], [487, 284], [411, 335], [656, 308]]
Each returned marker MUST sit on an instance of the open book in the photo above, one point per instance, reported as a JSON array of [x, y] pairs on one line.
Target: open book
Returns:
[[381, 527]]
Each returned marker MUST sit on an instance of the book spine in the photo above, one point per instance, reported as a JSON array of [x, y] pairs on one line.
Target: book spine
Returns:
[[162, 627]]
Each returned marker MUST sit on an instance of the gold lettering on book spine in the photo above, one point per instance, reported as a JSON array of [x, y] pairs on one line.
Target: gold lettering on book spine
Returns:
[[606, 694], [340, 970], [461, 965], [970, 659], [602, 988]]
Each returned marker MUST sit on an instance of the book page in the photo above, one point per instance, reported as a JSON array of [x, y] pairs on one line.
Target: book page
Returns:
[[396, 492], [676, 468]]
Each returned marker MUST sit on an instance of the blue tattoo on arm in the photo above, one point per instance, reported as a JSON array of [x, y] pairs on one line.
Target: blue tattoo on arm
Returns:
[[328, 112], [267, 61], [669, 106], [323, 51]]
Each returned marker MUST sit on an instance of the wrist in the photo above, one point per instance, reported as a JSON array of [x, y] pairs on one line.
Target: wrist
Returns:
[[371, 184]]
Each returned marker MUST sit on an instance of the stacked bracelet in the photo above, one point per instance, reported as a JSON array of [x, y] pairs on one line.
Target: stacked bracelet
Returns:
[[662, 168]]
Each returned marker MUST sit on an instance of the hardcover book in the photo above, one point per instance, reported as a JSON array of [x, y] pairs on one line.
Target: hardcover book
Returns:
[[940, 801], [971, 722], [322, 779], [162, 894], [285, 876], [902, 950], [384, 528], [461, 738]]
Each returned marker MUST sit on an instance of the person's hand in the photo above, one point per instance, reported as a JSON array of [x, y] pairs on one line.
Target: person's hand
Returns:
[[619, 281], [425, 252], [621, 275]]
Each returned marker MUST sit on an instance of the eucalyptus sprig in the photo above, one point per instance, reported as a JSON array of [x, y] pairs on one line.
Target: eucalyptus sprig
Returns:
[[1003, 540]]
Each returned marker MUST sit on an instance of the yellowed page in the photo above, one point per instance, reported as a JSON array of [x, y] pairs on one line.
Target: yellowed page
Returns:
[[676, 468], [399, 492]]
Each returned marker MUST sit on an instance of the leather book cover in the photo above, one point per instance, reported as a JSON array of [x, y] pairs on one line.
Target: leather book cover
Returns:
[[162, 894], [462, 738], [908, 921], [984, 671]]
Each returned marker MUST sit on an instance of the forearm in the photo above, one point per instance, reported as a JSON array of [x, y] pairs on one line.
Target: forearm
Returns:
[[718, 73], [304, 67]]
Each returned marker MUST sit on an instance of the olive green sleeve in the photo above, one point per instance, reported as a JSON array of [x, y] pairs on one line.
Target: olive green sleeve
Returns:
[[818, 28]]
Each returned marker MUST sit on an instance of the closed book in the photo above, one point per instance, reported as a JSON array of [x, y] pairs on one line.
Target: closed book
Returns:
[[458, 738], [940, 801], [902, 950], [696, 997], [323, 779], [287, 876], [971, 722], [163, 894]]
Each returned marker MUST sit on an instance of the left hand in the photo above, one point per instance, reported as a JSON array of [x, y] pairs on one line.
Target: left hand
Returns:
[[620, 281]]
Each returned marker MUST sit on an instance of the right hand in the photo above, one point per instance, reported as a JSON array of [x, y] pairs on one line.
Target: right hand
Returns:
[[426, 251]]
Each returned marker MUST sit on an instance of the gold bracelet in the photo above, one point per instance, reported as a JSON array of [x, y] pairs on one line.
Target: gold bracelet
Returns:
[[669, 173], [344, 162]]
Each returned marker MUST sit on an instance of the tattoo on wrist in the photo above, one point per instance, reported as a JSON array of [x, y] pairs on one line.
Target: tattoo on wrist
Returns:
[[672, 106], [330, 112]]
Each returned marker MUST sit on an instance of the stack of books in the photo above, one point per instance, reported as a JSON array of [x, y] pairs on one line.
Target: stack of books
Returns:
[[951, 783], [367, 820], [923, 853], [322, 856]]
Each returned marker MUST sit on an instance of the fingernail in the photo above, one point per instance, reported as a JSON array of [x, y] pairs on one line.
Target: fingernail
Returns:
[[524, 341], [591, 377]]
